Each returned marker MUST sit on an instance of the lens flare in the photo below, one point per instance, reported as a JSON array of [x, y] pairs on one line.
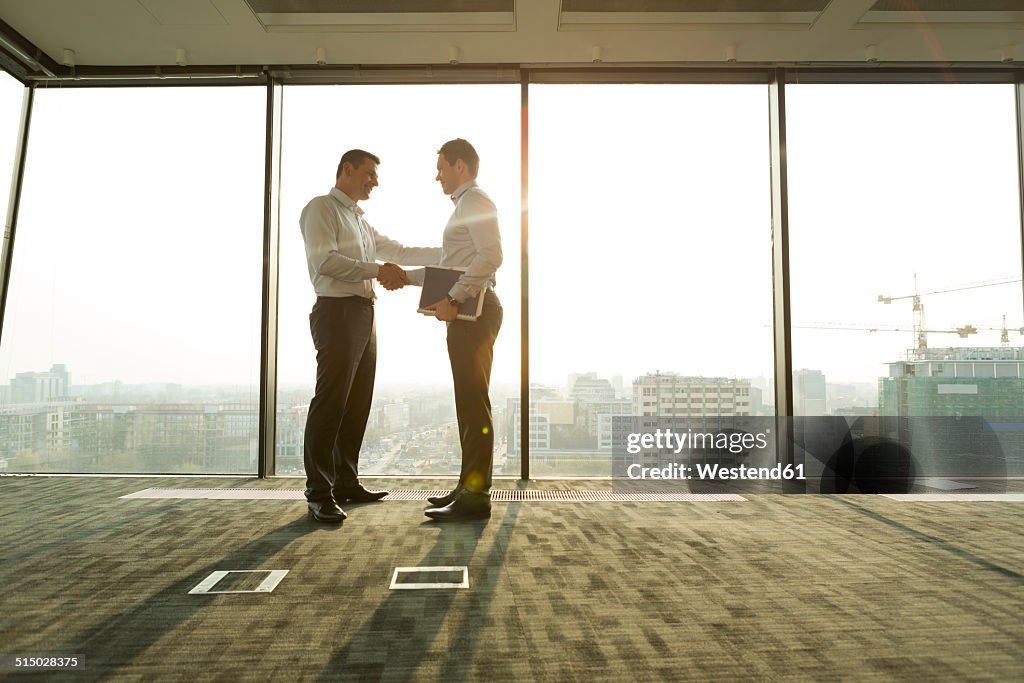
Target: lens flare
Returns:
[[474, 481]]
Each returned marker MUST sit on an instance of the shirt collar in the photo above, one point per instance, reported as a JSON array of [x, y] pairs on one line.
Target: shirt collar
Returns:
[[346, 201], [463, 189]]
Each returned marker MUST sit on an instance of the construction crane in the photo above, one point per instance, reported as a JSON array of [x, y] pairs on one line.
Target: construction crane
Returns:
[[962, 332], [921, 334], [1004, 331]]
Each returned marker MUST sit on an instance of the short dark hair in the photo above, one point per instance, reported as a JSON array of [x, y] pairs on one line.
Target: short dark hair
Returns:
[[456, 149], [356, 157]]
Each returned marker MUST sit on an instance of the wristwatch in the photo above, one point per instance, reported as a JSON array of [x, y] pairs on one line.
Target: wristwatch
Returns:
[[453, 301]]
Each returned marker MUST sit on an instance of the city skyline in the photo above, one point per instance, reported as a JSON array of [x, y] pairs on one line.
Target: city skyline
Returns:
[[184, 429], [620, 386]]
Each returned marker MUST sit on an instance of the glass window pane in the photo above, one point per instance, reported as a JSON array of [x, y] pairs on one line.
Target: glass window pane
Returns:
[[897, 191], [650, 261], [412, 428], [132, 333]]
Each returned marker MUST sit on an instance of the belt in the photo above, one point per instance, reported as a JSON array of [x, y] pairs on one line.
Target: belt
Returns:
[[354, 299]]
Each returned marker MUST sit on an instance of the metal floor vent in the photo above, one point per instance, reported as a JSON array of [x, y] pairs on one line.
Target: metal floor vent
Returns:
[[571, 495], [497, 495], [247, 581], [956, 497], [219, 494], [462, 574]]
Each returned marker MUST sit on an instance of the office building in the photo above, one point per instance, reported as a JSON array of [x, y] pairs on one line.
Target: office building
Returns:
[[672, 395], [809, 392], [956, 381], [39, 387]]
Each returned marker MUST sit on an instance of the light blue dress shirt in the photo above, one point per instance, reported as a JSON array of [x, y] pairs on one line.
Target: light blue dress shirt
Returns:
[[471, 241], [342, 248]]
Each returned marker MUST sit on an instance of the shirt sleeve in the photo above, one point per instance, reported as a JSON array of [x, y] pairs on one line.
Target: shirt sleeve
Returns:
[[332, 249], [395, 252], [416, 276], [480, 217]]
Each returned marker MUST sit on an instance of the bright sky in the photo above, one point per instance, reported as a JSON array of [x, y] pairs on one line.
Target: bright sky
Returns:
[[650, 217], [138, 252], [906, 179], [404, 126]]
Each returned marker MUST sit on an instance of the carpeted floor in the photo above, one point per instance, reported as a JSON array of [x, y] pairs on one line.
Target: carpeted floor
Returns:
[[777, 587]]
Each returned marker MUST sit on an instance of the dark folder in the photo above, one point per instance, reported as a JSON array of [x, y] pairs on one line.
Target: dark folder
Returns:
[[437, 282]]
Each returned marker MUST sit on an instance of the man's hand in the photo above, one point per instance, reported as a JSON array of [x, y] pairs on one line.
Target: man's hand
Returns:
[[392, 277], [444, 310]]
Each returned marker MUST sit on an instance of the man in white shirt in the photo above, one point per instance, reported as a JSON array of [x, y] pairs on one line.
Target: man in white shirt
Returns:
[[471, 241], [341, 253]]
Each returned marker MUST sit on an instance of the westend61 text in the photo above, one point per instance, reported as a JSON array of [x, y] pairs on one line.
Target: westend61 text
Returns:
[[717, 472]]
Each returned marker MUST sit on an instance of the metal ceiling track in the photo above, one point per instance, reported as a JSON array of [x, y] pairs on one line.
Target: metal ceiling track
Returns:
[[29, 64]]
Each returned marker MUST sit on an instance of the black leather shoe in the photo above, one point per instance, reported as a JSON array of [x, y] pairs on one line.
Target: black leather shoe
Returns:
[[326, 511], [465, 506], [447, 499], [357, 494]]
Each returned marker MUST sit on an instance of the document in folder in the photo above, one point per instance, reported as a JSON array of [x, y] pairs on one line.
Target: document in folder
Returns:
[[437, 282]]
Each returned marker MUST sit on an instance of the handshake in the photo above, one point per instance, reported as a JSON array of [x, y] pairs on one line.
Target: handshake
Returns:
[[392, 277]]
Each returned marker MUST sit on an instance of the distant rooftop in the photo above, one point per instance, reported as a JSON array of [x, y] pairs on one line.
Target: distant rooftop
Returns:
[[966, 354]]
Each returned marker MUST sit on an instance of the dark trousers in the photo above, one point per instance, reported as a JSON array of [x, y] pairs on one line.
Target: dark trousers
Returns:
[[471, 352], [345, 338]]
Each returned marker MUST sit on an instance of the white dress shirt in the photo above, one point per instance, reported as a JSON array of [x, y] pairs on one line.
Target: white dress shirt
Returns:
[[471, 241], [341, 247]]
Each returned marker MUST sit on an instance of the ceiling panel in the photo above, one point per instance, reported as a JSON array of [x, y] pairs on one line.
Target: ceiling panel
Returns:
[[381, 6], [184, 12], [947, 13], [677, 14], [375, 15], [694, 5]]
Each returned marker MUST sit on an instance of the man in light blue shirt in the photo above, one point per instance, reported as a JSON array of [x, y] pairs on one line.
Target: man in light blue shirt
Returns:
[[471, 241], [341, 254]]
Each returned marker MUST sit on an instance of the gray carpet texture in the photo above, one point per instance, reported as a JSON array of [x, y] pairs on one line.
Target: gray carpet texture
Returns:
[[771, 588]]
